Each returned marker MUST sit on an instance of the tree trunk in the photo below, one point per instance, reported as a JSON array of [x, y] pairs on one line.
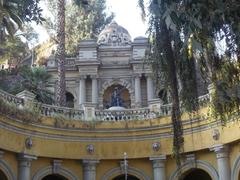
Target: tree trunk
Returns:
[[60, 54], [173, 83]]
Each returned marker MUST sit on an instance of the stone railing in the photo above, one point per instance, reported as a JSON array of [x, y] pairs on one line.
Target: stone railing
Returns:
[[11, 98], [98, 115], [70, 62], [203, 100], [68, 113], [165, 109], [124, 115]]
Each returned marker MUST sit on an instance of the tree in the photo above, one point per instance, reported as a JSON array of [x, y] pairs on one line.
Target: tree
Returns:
[[14, 13], [14, 51], [60, 53], [81, 22], [178, 37], [33, 79]]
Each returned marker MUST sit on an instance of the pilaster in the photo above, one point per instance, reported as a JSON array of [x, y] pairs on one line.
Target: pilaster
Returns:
[[158, 163]]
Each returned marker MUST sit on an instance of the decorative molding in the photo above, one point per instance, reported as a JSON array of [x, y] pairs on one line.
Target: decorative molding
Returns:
[[7, 170], [215, 134], [200, 165], [48, 170], [28, 143], [221, 150], [156, 146], [235, 169], [90, 148]]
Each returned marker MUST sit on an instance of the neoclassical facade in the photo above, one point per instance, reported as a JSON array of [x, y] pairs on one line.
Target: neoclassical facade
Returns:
[[113, 61], [93, 140]]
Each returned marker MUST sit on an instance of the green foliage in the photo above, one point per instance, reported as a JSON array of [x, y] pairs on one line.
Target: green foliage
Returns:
[[192, 29], [13, 13], [28, 114], [81, 22], [32, 79], [13, 50]]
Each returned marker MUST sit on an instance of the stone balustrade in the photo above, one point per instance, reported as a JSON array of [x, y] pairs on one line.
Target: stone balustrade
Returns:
[[100, 115], [68, 113], [11, 98], [124, 115], [165, 109]]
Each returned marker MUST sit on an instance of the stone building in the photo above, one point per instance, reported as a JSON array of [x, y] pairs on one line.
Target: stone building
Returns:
[[94, 142], [114, 61]]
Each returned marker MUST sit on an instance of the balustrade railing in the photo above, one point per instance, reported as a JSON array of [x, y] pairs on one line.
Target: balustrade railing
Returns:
[[100, 115], [11, 98], [68, 113], [124, 115]]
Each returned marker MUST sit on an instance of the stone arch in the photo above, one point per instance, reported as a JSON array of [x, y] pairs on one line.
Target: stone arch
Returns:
[[5, 168], [196, 164], [49, 170], [74, 93], [236, 169], [131, 170], [121, 82]]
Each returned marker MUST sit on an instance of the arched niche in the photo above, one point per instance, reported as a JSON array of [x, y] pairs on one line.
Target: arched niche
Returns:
[[112, 82], [124, 101], [69, 100]]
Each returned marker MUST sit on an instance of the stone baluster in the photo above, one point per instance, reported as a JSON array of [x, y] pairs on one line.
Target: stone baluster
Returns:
[[158, 164], [222, 155], [24, 166], [89, 169], [94, 90], [138, 98], [82, 90], [150, 92]]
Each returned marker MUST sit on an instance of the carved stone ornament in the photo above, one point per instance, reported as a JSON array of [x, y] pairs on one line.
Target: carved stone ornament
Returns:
[[215, 134], [28, 143], [156, 146], [90, 148]]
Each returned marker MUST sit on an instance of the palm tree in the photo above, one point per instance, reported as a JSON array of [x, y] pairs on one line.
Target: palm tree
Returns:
[[60, 53]]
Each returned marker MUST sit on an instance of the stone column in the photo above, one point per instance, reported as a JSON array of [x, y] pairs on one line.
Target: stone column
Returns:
[[24, 166], [150, 93], [138, 97], [158, 164], [82, 90], [222, 155], [94, 90], [89, 169]]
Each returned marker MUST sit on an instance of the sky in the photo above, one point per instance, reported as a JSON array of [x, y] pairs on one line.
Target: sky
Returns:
[[127, 14]]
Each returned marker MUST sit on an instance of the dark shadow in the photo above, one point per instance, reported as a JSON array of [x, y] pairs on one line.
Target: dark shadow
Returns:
[[69, 100], [196, 174], [3, 176], [54, 177], [122, 177]]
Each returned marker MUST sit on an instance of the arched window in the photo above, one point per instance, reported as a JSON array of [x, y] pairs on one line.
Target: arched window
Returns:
[[69, 100], [163, 95]]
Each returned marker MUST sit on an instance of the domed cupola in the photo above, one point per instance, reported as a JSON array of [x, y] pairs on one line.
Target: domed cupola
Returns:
[[114, 35]]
